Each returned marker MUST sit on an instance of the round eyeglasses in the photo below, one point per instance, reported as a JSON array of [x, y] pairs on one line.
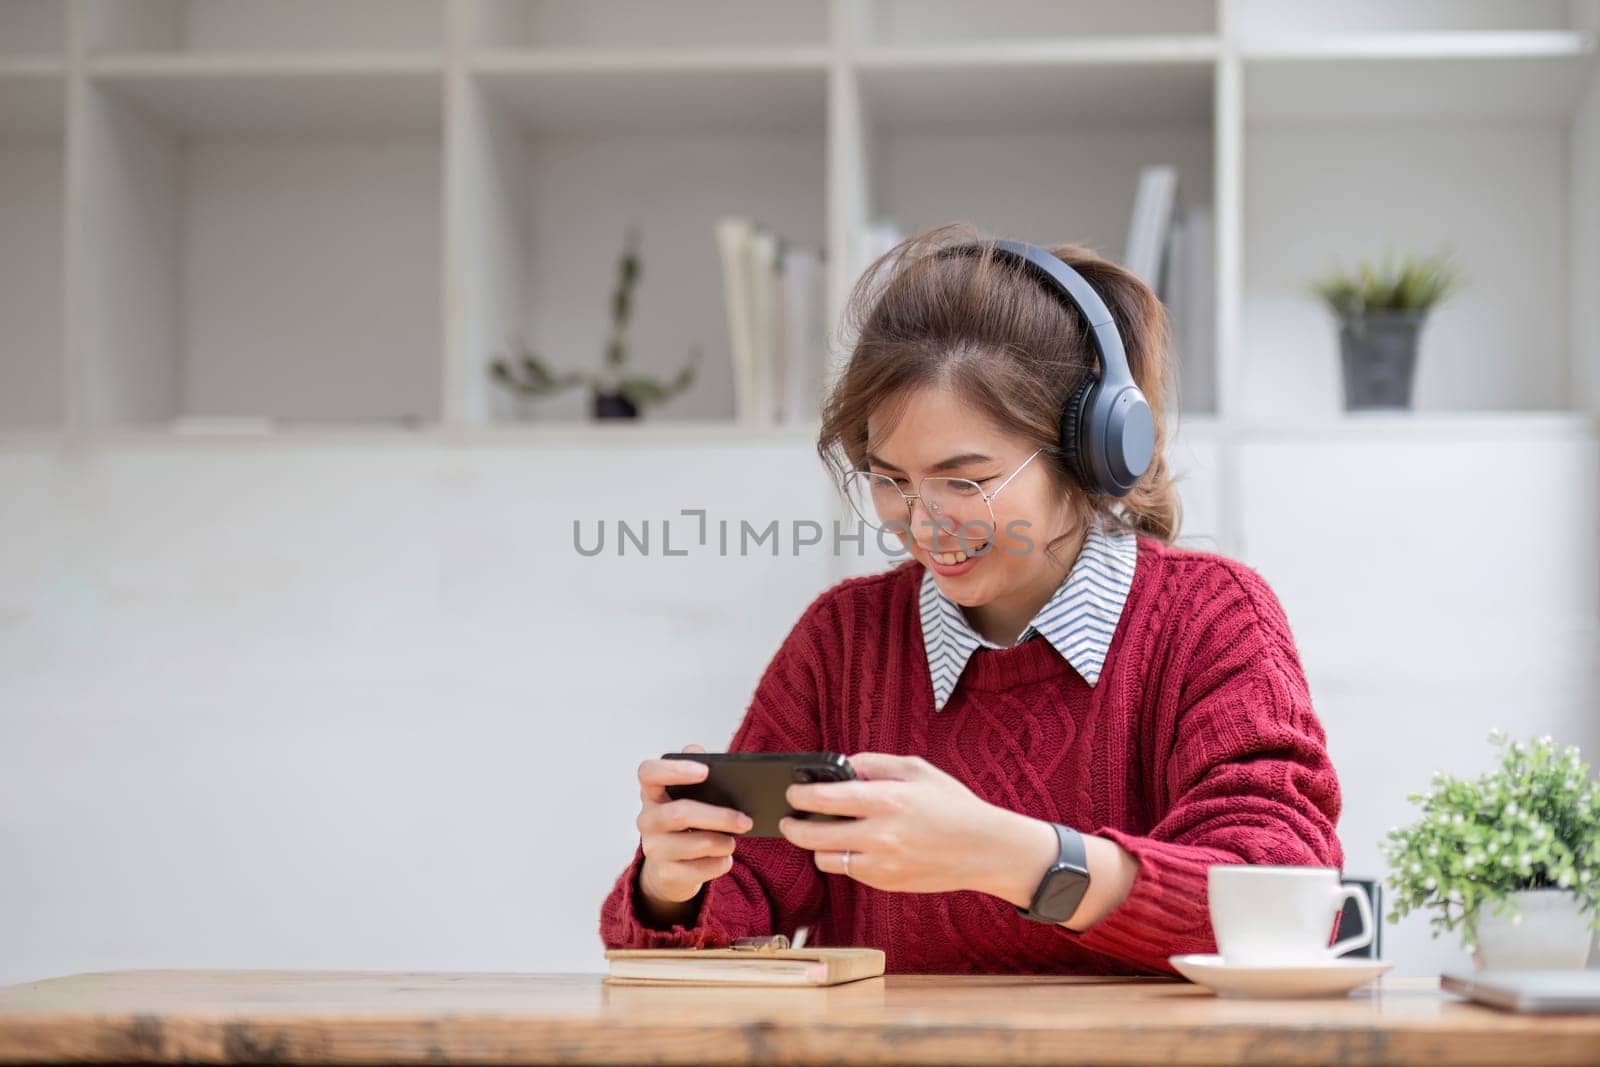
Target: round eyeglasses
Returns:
[[956, 507]]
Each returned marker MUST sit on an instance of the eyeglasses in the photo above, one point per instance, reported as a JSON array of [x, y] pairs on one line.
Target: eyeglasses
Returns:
[[954, 505]]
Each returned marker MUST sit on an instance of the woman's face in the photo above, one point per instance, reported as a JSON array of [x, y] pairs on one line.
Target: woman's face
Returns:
[[938, 435]]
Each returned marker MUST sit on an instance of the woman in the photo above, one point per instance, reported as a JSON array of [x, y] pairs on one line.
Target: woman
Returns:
[[1060, 720]]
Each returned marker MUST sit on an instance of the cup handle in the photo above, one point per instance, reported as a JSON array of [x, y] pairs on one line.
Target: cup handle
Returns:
[[1364, 938]]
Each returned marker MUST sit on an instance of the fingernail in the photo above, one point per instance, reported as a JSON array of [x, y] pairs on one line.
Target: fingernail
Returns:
[[746, 823]]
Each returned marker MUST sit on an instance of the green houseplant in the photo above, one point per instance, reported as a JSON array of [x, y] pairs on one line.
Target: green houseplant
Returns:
[[1511, 858], [616, 394], [1381, 310]]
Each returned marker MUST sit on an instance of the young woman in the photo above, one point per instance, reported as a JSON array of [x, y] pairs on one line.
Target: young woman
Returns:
[[1060, 720]]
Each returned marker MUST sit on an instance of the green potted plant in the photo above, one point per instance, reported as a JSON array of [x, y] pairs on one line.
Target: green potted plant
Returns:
[[615, 393], [1381, 311], [1511, 858]]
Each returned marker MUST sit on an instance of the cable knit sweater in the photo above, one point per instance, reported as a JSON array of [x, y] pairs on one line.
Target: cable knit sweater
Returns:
[[1197, 746]]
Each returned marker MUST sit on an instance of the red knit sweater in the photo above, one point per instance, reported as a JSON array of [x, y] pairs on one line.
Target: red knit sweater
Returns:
[[1198, 746]]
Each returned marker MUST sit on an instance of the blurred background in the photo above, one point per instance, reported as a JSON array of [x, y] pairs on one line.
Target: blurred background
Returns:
[[331, 330]]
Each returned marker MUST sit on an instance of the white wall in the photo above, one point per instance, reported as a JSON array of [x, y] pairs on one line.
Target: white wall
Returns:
[[305, 703], [356, 706]]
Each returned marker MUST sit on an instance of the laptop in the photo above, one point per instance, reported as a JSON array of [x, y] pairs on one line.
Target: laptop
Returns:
[[1529, 991]]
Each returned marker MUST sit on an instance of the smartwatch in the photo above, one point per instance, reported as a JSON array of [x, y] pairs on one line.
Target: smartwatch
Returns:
[[1064, 884]]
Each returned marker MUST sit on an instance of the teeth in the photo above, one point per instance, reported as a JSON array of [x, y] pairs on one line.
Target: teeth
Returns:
[[950, 559]]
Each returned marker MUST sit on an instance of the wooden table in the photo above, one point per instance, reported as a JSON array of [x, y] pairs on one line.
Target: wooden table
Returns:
[[325, 1017]]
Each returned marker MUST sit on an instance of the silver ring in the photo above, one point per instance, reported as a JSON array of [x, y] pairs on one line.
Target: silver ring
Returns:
[[846, 861]]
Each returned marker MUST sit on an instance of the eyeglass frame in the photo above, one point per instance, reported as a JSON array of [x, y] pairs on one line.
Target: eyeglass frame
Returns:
[[911, 508]]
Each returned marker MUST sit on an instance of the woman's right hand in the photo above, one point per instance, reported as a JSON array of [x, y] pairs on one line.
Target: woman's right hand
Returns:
[[686, 843]]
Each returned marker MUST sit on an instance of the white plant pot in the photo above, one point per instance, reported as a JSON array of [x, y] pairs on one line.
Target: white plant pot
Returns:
[[1553, 933]]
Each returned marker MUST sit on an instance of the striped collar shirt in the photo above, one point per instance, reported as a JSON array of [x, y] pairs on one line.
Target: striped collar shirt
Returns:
[[1078, 619]]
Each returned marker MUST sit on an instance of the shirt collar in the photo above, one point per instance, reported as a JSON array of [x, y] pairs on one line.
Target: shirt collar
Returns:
[[1078, 619]]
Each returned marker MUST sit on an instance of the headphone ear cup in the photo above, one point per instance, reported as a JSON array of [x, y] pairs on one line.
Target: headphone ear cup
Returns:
[[1072, 418]]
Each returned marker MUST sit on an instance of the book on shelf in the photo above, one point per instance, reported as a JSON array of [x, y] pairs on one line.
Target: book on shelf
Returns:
[[773, 297], [1155, 207], [736, 966], [1172, 246], [1191, 304]]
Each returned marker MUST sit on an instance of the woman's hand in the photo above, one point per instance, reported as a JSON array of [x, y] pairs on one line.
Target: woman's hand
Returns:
[[917, 829], [686, 843]]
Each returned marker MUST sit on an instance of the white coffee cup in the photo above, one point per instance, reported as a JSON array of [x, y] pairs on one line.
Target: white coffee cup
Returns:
[[1281, 916]]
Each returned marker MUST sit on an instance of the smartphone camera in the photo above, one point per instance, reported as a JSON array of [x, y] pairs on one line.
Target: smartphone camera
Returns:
[[805, 774]]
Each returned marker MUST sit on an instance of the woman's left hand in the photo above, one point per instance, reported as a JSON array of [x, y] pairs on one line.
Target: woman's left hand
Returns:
[[915, 830]]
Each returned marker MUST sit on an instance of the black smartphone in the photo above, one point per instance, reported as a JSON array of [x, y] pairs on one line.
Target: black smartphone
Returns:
[[755, 783]]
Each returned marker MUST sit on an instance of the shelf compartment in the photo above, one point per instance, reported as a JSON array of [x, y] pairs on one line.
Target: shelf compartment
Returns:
[[32, 114], [628, 24], [919, 22], [1051, 154], [199, 27], [33, 98], [1495, 193], [32, 29], [563, 160], [263, 245]]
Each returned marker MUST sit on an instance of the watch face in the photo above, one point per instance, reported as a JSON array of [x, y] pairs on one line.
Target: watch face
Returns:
[[1062, 894]]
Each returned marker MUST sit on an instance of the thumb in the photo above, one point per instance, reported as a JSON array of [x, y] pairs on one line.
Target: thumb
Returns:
[[881, 765], [693, 748]]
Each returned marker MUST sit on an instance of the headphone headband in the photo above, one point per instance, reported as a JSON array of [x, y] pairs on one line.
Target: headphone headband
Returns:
[[1106, 429]]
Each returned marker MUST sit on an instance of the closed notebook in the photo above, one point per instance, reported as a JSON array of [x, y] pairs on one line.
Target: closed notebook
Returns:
[[729, 966]]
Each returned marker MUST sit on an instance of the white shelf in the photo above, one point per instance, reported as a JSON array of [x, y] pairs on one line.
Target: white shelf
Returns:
[[986, 92], [1379, 427], [1049, 52], [920, 22], [1438, 76], [356, 93], [549, 434], [609, 92], [245, 26], [681, 24], [1419, 45]]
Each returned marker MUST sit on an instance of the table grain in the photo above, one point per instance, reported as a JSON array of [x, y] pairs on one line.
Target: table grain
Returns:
[[329, 1017]]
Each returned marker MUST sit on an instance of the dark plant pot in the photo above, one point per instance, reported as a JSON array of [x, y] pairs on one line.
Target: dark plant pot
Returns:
[[1378, 352], [614, 406]]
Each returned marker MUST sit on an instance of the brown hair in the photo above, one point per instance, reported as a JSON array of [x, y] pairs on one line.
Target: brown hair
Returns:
[[981, 324]]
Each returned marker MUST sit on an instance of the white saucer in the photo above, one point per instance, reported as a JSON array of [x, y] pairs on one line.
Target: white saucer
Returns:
[[1336, 977]]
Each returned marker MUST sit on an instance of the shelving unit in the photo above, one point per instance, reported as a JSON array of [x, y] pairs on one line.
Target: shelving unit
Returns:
[[338, 211], [33, 101]]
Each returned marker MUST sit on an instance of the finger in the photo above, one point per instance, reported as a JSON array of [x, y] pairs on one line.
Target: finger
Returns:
[[833, 863], [691, 845], [855, 835], [882, 765], [842, 798], [656, 774], [703, 870], [692, 748], [696, 815]]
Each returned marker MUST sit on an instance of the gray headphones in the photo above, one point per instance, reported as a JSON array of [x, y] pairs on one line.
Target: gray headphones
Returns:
[[1106, 432]]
